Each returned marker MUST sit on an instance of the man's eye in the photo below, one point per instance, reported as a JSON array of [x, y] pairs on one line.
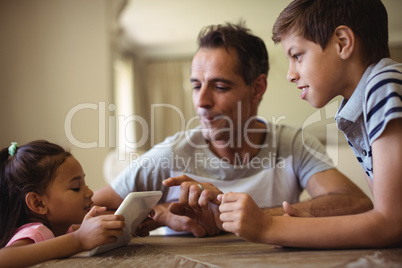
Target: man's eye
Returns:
[[76, 189], [221, 88]]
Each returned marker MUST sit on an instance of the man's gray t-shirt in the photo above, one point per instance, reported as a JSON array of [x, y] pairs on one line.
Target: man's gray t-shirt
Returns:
[[279, 172]]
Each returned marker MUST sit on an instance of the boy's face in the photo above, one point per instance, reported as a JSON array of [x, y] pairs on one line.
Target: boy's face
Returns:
[[318, 73]]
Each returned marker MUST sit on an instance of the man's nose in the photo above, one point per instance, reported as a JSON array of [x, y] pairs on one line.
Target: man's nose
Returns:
[[205, 97]]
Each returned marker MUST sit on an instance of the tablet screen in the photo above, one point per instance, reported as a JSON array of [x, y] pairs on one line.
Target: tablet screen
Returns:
[[135, 209]]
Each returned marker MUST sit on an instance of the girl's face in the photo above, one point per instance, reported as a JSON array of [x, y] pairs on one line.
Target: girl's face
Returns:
[[67, 198]]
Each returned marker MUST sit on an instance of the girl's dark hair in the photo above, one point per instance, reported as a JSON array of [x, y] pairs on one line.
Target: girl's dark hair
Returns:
[[31, 169], [316, 21], [251, 50]]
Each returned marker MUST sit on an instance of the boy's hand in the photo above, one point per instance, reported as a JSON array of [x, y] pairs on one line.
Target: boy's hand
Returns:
[[242, 216], [293, 211]]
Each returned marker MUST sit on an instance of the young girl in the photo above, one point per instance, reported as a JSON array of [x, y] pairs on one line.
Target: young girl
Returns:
[[43, 193]]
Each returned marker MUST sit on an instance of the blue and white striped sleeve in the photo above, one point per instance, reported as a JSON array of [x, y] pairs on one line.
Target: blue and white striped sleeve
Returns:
[[383, 100]]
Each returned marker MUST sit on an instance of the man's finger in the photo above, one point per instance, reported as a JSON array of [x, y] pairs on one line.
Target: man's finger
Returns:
[[196, 229], [194, 195], [177, 209], [175, 181], [206, 197]]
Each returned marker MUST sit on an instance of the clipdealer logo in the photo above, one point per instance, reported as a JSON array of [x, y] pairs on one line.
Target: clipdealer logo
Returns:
[[122, 121], [118, 126]]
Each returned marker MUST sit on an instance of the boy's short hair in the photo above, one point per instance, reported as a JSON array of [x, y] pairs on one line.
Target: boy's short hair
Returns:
[[316, 21], [251, 50]]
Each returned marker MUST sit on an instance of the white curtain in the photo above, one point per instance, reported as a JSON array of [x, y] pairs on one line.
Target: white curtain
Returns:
[[162, 95]]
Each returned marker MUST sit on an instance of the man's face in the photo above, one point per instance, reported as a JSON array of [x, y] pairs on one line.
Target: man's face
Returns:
[[221, 98]]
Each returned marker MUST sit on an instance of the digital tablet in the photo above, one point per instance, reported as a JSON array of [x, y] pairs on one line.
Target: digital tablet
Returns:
[[135, 208]]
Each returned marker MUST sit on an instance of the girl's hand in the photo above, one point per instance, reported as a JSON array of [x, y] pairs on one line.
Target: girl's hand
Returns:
[[98, 229]]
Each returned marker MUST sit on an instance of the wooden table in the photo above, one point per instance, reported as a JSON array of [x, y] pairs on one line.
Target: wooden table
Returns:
[[225, 250]]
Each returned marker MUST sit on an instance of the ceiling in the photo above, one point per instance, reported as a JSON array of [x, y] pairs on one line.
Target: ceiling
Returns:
[[163, 28]]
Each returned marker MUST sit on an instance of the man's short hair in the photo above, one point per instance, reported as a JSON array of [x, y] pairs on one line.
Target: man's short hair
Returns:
[[251, 51], [316, 21]]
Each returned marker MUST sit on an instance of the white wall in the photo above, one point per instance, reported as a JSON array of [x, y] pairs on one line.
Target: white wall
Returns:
[[55, 55]]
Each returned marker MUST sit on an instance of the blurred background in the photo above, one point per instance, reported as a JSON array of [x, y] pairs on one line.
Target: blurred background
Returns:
[[106, 78]]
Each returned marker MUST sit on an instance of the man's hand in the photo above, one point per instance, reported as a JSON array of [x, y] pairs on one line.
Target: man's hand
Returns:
[[207, 218], [198, 203], [180, 223], [194, 194], [146, 226]]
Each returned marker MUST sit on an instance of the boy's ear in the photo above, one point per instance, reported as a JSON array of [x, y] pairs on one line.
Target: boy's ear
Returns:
[[35, 203], [345, 38]]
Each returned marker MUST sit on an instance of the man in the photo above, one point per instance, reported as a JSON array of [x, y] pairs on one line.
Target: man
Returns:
[[233, 150]]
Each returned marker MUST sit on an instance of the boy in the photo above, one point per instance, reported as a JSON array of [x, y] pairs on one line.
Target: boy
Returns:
[[339, 47]]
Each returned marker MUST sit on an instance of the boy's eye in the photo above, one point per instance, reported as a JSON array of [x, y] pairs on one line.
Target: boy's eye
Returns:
[[296, 57], [76, 189]]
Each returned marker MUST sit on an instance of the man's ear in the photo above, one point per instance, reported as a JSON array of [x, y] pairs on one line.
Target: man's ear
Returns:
[[346, 41], [259, 87], [35, 203]]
